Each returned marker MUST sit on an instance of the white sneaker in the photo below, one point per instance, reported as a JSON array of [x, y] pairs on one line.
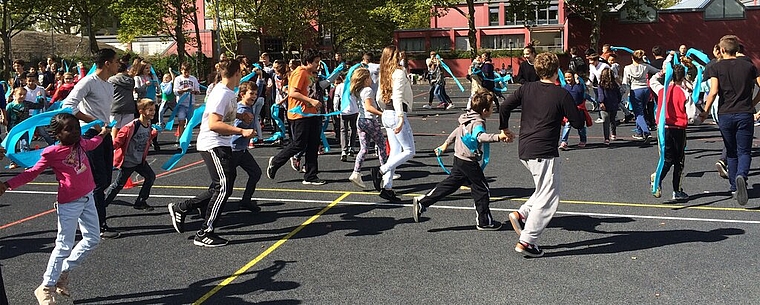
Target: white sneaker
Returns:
[[426, 106], [599, 120], [356, 179], [450, 106], [396, 176]]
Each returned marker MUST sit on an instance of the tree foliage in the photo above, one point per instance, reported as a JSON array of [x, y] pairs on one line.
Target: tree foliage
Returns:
[[16, 15]]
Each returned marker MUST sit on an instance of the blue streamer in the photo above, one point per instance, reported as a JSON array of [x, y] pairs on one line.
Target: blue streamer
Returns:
[[170, 123], [470, 140], [337, 70], [661, 129], [446, 67], [184, 139], [325, 124], [299, 111], [325, 69], [92, 69], [65, 65], [276, 117], [561, 76], [347, 87], [440, 161]]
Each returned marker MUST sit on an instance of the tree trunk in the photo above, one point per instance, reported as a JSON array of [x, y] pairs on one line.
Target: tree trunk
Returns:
[[199, 69], [91, 34], [596, 30], [6, 54], [471, 36], [179, 20]]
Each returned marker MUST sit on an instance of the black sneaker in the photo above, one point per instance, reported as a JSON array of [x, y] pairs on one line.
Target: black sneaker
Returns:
[[518, 224], [417, 208], [108, 233], [209, 239], [389, 195], [271, 171], [529, 250], [741, 190], [377, 177], [178, 217], [315, 181], [250, 205], [343, 157], [722, 169], [142, 205], [494, 226]]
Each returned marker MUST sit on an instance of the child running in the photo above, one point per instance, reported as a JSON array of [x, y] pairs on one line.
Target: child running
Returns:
[[676, 121], [467, 162], [369, 127], [75, 204], [609, 97], [130, 150], [543, 106], [240, 155]]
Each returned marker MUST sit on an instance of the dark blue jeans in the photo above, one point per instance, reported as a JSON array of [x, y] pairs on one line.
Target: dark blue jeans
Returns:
[[101, 164], [737, 130], [639, 98]]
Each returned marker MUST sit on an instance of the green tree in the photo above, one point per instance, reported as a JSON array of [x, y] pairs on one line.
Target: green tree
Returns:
[[17, 15], [87, 16], [594, 11]]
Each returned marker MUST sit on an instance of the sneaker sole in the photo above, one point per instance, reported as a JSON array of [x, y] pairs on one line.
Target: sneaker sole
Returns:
[[200, 244], [269, 167], [515, 221], [416, 209], [358, 183], [174, 223], [741, 190], [721, 172]]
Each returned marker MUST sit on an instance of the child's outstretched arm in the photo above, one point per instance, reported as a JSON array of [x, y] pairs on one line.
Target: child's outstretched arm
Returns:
[[28, 175], [450, 139]]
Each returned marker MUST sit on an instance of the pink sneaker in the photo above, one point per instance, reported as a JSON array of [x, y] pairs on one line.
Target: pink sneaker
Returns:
[[563, 146]]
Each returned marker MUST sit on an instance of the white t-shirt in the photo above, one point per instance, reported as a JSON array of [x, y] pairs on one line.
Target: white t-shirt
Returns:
[[182, 83], [365, 94], [221, 101], [92, 96], [374, 74], [31, 95]]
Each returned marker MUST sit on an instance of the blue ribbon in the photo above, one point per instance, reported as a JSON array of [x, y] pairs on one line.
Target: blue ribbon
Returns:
[[627, 49], [470, 140], [325, 124], [497, 79], [446, 67], [170, 123], [561, 77], [66, 66], [440, 161], [337, 70], [276, 117], [184, 139], [661, 129], [8, 90], [346, 96], [92, 69]]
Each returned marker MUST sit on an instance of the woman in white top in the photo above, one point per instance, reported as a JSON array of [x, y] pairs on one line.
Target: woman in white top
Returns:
[[396, 92], [369, 127], [635, 77], [349, 113]]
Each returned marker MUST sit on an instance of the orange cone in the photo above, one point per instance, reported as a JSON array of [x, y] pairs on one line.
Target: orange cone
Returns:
[[129, 184]]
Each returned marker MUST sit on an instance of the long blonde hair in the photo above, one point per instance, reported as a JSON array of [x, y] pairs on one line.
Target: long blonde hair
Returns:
[[388, 64], [358, 79]]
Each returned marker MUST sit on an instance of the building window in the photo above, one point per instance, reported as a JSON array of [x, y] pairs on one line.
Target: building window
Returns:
[[462, 43], [493, 15], [543, 15], [440, 43], [502, 42], [412, 44], [724, 9]]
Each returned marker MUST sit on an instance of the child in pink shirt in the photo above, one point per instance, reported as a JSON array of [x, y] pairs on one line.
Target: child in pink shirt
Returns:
[[75, 205]]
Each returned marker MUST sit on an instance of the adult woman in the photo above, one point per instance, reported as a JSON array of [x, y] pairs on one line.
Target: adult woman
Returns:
[[635, 76], [396, 92]]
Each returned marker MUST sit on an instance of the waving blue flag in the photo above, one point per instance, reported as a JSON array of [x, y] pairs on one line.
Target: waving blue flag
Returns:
[[661, 130], [185, 138], [446, 67]]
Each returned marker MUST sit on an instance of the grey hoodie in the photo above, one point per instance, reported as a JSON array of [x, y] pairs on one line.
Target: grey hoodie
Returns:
[[467, 122], [636, 76], [123, 97]]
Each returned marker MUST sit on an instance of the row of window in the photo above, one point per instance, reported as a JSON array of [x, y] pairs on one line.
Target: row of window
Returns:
[[548, 14], [494, 42]]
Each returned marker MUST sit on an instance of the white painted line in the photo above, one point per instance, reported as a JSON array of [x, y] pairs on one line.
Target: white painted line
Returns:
[[441, 207]]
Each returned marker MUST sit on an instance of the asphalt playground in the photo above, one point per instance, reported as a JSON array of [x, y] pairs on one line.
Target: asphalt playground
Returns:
[[610, 242]]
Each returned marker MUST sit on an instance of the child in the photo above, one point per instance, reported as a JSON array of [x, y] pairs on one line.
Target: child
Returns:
[[75, 202], [167, 96], [130, 150], [467, 163], [676, 120], [543, 106], [348, 119], [240, 155], [183, 84], [369, 126], [576, 91], [18, 110], [609, 100]]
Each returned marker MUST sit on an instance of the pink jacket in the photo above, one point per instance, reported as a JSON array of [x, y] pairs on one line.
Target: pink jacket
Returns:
[[121, 142], [71, 168]]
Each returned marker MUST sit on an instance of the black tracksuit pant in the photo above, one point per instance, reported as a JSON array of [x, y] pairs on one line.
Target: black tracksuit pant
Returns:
[[219, 162], [306, 137], [675, 144], [244, 160], [464, 172]]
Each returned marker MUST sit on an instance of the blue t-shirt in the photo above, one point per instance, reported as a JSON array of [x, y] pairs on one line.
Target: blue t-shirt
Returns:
[[576, 91], [239, 142]]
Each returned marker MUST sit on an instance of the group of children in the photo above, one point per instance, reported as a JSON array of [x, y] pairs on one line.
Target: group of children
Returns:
[[228, 125]]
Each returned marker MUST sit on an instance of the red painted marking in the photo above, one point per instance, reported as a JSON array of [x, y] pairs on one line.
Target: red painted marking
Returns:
[[26, 219]]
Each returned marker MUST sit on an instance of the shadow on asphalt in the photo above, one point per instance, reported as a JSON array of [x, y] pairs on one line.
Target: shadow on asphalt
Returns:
[[262, 282], [625, 241]]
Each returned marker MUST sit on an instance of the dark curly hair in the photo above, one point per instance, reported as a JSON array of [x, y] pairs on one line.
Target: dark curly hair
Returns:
[[607, 80], [58, 122]]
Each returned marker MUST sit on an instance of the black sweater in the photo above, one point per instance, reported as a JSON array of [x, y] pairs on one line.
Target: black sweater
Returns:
[[543, 107]]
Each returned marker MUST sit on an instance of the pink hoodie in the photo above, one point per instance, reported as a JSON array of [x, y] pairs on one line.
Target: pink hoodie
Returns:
[[71, 168]]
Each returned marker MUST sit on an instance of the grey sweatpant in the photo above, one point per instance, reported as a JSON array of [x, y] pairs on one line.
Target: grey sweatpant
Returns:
[[540, 207]]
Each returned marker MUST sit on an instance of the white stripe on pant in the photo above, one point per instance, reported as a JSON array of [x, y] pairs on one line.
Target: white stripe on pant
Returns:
[[540, 207], [223, 192]]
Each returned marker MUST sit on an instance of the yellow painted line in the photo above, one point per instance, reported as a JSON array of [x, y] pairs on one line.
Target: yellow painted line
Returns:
[[269, 250], [601, 203]]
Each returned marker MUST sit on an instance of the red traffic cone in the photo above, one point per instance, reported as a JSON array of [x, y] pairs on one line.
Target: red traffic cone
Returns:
[[129, 184]]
